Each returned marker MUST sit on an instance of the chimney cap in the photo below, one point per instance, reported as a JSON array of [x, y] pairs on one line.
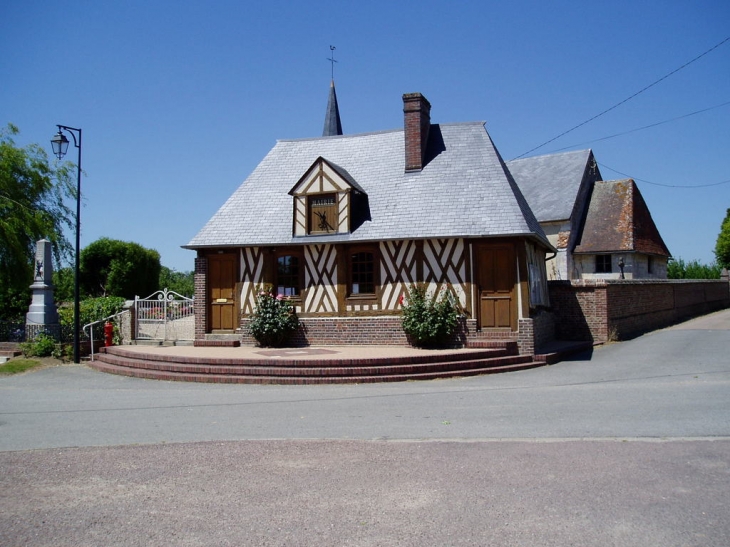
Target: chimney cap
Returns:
[[414, 97]]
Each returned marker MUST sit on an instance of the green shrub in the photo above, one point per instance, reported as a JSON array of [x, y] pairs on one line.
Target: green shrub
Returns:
[[273, 321], [42, 345], [92, 309], [429, 320]]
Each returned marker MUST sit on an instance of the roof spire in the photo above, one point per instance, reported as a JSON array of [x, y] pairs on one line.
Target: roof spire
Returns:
[[332, 123], [332, 61]]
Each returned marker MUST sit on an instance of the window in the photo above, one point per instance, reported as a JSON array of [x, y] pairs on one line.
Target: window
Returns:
[[362, 273], [323, 214], [650, 265], [287, 275], [603, 264]]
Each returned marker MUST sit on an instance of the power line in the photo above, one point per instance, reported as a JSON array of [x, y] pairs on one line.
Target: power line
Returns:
[[628, 98], [664, 185], [642, 128]]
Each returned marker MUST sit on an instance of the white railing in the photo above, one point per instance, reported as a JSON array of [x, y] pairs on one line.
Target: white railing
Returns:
[[164, 315], [90, 326]]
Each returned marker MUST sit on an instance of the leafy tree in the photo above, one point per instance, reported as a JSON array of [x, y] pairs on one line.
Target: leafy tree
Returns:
[[180, 282], [32, 207], [694, 269], [63, 285], [722, 247], [110, 267]]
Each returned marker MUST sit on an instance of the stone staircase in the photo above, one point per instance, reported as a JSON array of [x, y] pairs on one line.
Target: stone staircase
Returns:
[[500, 357], [8, 350]]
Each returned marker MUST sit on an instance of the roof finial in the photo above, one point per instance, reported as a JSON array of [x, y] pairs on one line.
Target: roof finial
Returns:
[[332, 61]]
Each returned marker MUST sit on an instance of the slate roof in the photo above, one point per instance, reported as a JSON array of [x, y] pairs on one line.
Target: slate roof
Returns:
[[619, 221], [464, 190], [551, 183]]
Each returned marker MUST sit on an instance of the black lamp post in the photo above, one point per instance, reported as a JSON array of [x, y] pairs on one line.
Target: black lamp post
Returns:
[[60, 146]]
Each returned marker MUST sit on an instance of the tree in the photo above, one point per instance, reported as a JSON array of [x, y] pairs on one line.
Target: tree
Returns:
[[110, 267], [180, 282], [722, 247], [63, 284], [694, 269], [32, 195]]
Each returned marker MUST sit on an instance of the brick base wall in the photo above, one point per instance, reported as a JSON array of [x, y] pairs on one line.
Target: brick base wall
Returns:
[[603, 310], [361, 331]]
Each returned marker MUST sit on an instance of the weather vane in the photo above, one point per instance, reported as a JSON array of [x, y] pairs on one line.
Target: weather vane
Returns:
[[332, 61]]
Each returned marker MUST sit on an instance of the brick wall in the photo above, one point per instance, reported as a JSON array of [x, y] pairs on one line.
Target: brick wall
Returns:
[[362, 331], [600, 310], [200, 277]]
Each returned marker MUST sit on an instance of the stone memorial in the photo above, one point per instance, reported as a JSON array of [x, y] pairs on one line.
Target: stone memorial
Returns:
[[42, 315]]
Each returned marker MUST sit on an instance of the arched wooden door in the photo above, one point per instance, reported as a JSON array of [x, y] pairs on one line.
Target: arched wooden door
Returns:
[[222, 277], [497, 282]]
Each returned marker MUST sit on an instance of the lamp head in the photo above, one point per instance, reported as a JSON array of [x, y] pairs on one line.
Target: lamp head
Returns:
[[59, 142]]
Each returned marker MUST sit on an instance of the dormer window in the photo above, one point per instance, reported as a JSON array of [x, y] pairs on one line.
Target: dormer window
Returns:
[[327, 201]]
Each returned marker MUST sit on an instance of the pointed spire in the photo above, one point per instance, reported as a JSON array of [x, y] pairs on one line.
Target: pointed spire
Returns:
[[332, 124]]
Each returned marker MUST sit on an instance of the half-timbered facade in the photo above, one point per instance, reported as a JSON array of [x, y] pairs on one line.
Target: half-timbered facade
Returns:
[[343, 225]]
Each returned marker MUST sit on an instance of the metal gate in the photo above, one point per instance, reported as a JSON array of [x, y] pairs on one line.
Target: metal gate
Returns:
[[164, 315]]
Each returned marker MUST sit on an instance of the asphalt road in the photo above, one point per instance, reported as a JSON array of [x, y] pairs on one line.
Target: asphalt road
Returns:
[[627, 446]]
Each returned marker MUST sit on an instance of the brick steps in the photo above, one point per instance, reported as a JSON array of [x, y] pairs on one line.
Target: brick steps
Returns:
[[10, 349], [322, 371]]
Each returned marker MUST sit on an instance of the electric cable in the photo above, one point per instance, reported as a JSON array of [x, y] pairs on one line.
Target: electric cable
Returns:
[[627, 99]]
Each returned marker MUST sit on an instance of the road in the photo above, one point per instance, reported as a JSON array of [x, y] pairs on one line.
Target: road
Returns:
[[627, 446]]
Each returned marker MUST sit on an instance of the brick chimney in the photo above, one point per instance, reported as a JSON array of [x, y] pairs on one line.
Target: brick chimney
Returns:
[[417, 121]]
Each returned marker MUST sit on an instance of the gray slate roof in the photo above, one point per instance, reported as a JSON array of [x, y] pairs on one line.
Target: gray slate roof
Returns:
[[464, 190], [551, 183]]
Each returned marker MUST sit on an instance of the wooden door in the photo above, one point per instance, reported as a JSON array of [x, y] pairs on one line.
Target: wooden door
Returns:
[[496, 286], [222, 276]]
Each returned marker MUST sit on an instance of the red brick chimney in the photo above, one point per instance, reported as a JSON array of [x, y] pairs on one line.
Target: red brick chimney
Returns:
[[417, 114]]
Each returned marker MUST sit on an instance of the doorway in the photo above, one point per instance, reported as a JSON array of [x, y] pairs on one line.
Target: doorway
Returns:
[[222, 276], [497, 281]]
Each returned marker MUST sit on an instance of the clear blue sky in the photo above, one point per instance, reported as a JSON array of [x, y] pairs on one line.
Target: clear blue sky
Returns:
[[178, 101]]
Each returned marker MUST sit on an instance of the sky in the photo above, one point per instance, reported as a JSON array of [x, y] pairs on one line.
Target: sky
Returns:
[[179, 101]]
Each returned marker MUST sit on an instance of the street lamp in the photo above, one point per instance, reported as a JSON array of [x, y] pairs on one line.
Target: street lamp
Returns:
[[60, 143]]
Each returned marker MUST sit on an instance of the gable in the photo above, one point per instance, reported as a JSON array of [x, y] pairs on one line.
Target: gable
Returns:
[[552, 183], [324, 199]]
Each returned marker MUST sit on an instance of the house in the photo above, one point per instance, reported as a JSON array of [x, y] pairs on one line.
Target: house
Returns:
[[601, 229], [619, 238], [343, 224]]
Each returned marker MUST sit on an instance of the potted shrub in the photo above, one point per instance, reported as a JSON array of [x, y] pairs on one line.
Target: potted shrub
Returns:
[[274, 320], [429, 320]]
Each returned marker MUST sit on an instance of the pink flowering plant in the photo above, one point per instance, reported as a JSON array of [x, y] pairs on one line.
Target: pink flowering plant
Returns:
[[274, 319], [429, 320]]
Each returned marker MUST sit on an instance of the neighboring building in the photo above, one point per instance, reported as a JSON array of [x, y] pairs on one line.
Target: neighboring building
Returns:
[[342, 225], [619, 238], [558, 187], [596, 226]]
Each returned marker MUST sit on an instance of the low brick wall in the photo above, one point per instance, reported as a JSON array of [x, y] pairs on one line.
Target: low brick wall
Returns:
[[602, 310], [361, 331]]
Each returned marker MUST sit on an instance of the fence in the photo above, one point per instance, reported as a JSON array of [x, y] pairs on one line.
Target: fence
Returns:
[[164, 315]]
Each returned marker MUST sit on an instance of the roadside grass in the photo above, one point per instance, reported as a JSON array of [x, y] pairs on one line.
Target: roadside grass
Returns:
[[16, 366]]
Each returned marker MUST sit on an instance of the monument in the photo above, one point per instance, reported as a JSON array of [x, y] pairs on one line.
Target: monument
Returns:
[[42, 315]]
